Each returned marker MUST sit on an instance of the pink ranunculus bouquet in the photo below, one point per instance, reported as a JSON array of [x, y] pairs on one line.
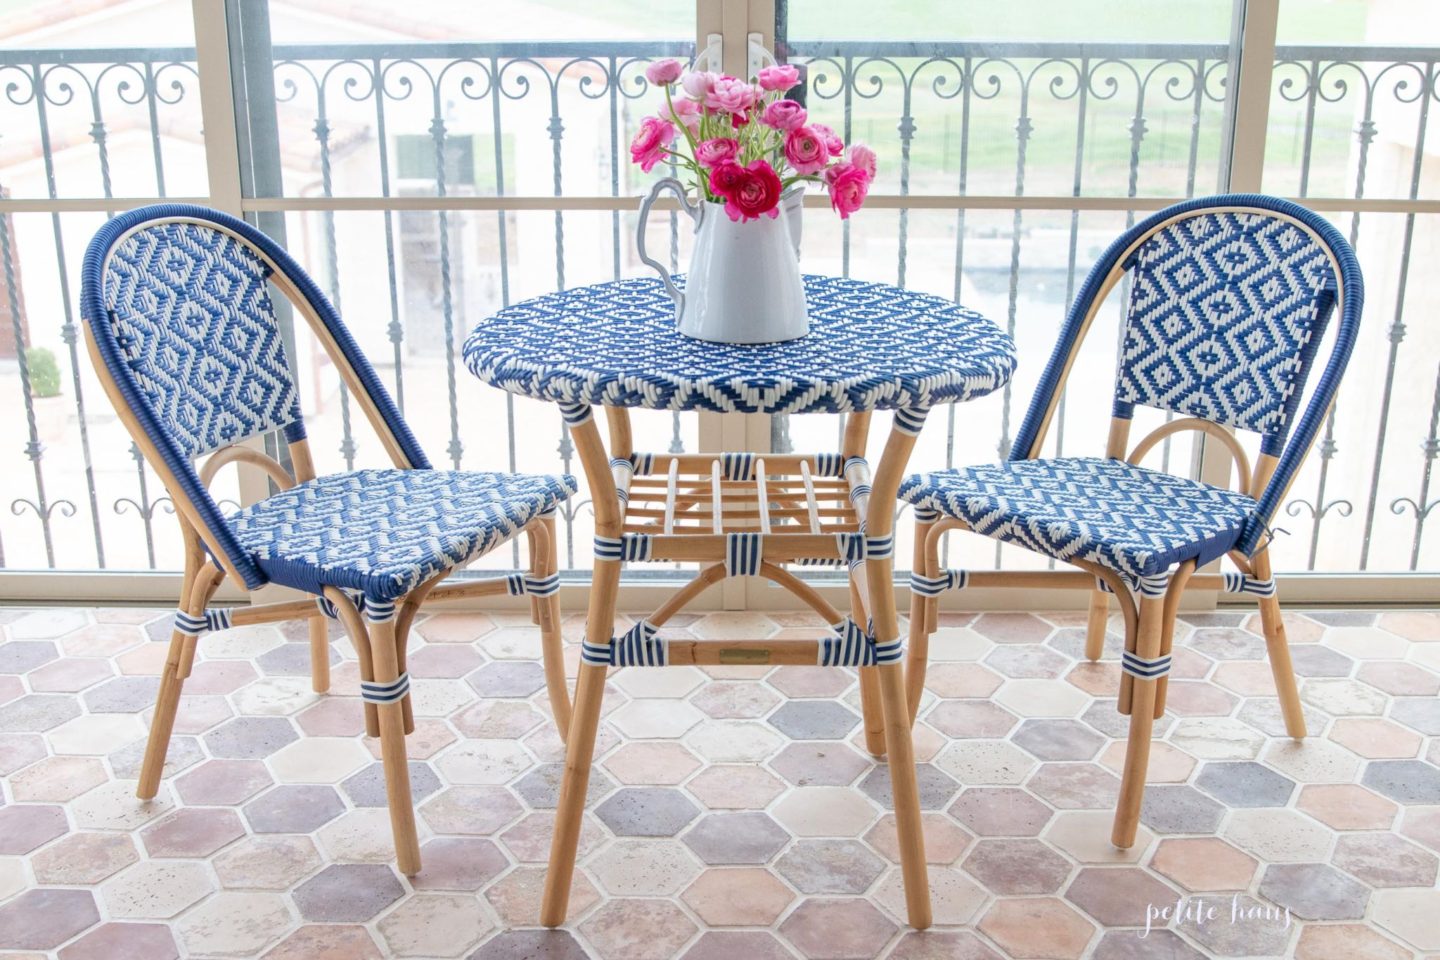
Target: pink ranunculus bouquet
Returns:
[[744, 143]]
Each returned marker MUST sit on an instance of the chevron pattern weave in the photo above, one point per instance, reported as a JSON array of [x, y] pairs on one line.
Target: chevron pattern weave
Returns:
[[1136, 521], [1226, 310], [871, 347], [383, 532], [191, 311]]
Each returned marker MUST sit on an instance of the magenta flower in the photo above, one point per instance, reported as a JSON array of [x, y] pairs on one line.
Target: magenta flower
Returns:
[[805, 150], [730, 95], [716, 150], [662, 73], [781, 77], [849, 185], [750, 192], [833, 144], [864, 158], [648, 147], [784, 115]]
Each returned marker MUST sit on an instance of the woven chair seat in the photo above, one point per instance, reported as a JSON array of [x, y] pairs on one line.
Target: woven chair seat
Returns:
[[384, 532], [1135, 521]]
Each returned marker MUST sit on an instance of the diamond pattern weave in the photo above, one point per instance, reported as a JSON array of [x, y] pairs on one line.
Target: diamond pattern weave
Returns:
[[191, 311], [1135, 521], [871, 346], [1226, 310], [386, 531]]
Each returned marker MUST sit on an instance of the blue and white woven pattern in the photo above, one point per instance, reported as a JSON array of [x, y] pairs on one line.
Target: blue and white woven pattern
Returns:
[[383, 532], [871, 347], [1226, 310], [191, 312], [1136, 521]]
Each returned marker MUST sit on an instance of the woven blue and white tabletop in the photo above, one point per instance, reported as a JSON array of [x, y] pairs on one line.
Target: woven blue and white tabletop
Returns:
[[871, 346]]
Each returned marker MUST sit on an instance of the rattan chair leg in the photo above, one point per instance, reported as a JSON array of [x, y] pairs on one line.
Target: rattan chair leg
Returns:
[[1142, 722], [1095, 627], [869, 683], [385, 655], [319, 654], [552, 642], [196, 593], [1278, 648]]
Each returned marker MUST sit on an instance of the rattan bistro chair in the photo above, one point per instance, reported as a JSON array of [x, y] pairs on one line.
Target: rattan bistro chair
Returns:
[[184, 336], [1229, 299]]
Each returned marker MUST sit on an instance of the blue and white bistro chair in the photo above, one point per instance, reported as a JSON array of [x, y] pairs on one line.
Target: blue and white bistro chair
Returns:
[[182, 329], [1229, 300]]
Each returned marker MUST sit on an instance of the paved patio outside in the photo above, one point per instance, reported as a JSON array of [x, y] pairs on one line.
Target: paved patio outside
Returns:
[[733, 815]]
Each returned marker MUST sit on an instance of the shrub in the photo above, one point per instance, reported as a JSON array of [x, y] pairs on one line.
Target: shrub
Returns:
[[44, 372]]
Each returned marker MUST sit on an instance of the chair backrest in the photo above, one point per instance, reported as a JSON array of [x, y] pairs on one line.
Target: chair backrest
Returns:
[[176, 301], [1230, 297]]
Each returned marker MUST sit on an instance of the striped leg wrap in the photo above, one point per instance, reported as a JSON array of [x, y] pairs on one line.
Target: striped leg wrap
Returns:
[[1240, 583], [1143, 669], [934, 586], [632, 546], [575, 413], [218, 619], [878, 548], [1151, 586], [828, 464], [379, 611], [622, 481], [743, 554], [520, 584], [385, 692], [640, 646], [909, 420], [851, 546], [738, 466], [924, 513], [849, 646]]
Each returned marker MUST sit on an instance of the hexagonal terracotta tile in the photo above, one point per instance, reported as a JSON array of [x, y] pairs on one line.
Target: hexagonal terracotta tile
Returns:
[[738, 897], [837, 929]]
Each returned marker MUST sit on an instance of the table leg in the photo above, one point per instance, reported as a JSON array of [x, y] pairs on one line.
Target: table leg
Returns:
[[590, 687], [880, 573]]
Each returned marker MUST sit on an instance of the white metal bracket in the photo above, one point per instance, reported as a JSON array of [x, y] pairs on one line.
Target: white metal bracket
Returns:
[[712, 58]]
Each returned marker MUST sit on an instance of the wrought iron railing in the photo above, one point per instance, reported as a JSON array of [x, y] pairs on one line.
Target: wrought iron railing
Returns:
[[1123, 120]]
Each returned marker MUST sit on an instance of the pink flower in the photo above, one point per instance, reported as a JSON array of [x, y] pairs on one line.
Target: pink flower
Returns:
[[864, 158], [756, 193], [784, 115], [833, 143], [664, 72], [686, 111], [648, 147], [806, 150], [731, 95], [697, 83], [849, 185], [716, 150], [781, 77]]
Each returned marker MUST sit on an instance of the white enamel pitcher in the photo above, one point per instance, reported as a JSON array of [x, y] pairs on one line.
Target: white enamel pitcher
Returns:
[[744, 280]]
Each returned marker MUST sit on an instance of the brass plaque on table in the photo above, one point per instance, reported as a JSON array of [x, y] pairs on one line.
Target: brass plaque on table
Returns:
[[742, 655]]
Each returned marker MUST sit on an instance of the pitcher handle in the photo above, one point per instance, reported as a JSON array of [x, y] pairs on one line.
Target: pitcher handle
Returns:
[[677, 188]]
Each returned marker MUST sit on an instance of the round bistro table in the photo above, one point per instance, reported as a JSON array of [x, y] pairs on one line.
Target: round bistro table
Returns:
[[871, 347]]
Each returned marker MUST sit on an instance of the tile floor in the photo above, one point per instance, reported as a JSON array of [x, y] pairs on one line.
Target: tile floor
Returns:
[[732, 815]]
